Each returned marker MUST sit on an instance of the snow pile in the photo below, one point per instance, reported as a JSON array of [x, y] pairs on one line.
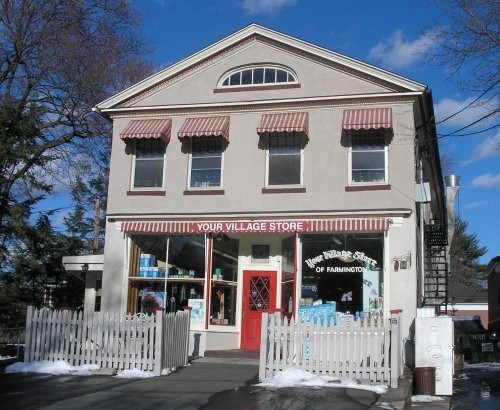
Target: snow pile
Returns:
[[134, 374], [61, 367], [301, 378], [424, 398], [54, 368]]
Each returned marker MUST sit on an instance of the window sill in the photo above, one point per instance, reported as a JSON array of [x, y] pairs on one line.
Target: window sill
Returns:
[[204, 192], [256, 88], [354, 188], [147, 193], [283, 190]]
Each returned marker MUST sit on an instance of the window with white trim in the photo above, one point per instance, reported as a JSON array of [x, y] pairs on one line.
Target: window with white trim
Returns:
[[368, 156], [284, 160], [257, 75], [206, 162], [149, 162]]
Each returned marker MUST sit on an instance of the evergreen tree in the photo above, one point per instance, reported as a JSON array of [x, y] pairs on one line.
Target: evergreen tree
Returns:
[[465, 252]]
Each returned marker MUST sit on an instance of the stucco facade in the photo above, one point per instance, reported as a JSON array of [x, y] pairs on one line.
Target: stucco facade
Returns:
[[285, 231]]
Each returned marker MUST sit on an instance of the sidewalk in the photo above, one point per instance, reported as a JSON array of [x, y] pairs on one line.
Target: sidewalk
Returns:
[[208, 383]]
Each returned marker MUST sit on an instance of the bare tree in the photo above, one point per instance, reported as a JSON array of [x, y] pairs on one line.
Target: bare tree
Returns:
[[469, 45], [57, 60]]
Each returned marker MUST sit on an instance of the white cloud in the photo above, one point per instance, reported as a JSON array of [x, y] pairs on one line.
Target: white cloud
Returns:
[[266, 6], [399, 52], [449, 106], [486, 181], [487, 149], [478, 204]]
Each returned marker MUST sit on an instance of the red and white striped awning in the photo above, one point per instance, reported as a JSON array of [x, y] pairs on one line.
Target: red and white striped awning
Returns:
[[284, 122], [152, 128], [268, 226], [372, 118], [205, 127], [349, 225]]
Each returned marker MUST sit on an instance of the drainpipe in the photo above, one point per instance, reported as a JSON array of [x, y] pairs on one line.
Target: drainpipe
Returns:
[[421, 233]]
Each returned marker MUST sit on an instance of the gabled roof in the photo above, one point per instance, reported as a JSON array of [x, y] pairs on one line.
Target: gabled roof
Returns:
[[257, 31]]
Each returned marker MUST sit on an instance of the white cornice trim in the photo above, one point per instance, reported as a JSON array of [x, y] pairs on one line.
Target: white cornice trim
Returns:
[[240, 36], [394, 213], [306, 102]]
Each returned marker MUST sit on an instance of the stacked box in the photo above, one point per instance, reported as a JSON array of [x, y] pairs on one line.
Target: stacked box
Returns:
[[147, 260], [324, 314], [143, 272]]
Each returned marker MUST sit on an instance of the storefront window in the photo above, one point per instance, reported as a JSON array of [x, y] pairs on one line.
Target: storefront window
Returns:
[[224, 281], [167, 271], [344, 268]]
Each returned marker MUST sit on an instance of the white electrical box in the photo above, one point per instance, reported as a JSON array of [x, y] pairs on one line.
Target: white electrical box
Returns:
[[434, 348]]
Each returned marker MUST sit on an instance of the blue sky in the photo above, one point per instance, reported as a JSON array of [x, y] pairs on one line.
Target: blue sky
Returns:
[[388, 34]]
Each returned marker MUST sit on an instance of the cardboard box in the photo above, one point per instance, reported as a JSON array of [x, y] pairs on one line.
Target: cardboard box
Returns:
[[147, 260]]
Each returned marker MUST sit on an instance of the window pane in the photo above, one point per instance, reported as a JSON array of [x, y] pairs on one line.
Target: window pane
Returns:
[[148, 173], [355, 283], [270, 75], [281, 76], [258, 75], [368, 167], [368, 139], [284, 169], [235, 78], [246, 77], [368, 156], [149, 148], [368, 160], [206, 162], [224, 287]]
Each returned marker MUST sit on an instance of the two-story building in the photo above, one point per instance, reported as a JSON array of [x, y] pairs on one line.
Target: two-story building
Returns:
[[264, 173]]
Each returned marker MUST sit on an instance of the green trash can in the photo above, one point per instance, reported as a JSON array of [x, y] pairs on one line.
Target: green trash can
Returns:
[[425, 381]]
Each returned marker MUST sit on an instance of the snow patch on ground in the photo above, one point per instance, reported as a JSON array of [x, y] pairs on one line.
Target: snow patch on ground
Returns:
[[424, 398]]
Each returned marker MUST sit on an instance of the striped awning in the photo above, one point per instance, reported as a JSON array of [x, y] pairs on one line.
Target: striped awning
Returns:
[[205, 127], [371, 118], [269, 226], [152, 128], [284, 122]]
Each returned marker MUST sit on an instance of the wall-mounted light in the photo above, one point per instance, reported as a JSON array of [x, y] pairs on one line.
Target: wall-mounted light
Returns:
[[85, 269]]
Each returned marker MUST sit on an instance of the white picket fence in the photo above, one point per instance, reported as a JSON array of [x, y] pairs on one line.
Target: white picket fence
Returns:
[[369, 353], [113, 341]]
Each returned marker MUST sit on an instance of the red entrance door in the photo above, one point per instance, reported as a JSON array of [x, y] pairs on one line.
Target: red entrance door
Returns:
[[259, 295]]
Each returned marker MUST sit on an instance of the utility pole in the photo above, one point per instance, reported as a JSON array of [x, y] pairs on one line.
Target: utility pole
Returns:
[[95, 242]]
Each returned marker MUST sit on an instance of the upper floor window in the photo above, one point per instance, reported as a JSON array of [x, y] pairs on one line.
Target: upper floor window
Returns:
[[149, 161], [206, 162], [284, 160], [257, 75], [368, 156]]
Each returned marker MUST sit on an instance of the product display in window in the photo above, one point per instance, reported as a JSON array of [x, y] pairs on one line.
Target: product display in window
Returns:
[[345, 270]]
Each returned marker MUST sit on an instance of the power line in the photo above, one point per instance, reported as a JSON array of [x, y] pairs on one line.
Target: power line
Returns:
[[471, 124], [468, 105], [470, 133]]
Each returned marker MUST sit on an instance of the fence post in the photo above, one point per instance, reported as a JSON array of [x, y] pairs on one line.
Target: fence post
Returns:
[[159, 336], [28, 333], [396, 365], [263, 345]]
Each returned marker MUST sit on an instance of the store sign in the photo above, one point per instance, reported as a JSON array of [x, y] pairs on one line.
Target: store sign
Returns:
[[250, 227], [344, 256]]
